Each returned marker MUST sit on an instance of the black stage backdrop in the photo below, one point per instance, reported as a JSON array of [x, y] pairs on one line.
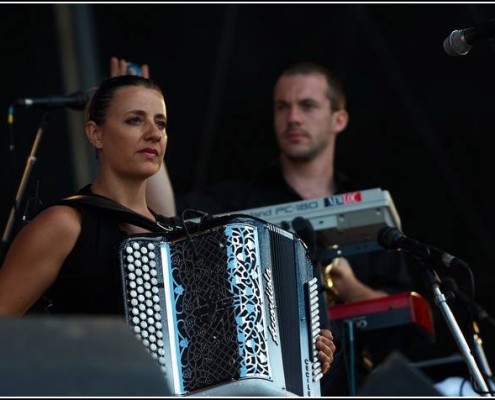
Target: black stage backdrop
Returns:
[[421, 121]]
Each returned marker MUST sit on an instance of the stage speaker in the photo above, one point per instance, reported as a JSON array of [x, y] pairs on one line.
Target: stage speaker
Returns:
[[75, 356], [396, 377]]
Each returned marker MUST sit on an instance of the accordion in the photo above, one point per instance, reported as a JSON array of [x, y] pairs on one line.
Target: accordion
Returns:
[[228, 306]]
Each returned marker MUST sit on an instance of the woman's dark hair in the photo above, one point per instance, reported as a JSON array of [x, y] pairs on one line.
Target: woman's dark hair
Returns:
[[96, 110]]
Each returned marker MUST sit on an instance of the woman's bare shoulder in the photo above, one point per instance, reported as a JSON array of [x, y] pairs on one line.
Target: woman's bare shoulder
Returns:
[[57, 220]]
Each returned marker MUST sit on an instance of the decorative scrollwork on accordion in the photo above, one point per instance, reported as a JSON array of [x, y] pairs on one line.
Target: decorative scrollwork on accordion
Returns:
[[206, 307]]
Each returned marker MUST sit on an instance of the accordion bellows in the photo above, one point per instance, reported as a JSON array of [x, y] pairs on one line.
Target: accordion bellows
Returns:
[[227, 307]]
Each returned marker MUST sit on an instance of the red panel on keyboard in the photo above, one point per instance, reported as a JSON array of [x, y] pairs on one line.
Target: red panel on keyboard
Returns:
[[385, 312]]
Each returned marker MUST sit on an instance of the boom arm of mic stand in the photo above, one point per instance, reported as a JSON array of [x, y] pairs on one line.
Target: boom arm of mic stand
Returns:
[[441, 301], [22, 186]]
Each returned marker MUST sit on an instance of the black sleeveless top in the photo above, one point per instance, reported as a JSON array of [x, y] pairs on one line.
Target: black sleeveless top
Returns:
[[89, 281]]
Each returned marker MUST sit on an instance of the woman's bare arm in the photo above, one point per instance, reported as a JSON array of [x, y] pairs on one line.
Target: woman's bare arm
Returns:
[[35, 257]]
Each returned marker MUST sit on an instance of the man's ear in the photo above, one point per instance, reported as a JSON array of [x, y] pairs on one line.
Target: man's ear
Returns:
[[93, 133], [340, 120]]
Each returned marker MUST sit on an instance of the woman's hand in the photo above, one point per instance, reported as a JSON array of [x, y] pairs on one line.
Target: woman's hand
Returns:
[[326, 349]]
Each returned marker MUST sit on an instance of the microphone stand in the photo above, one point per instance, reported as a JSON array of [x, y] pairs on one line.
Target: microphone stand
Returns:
[[434, 281], [22, 186], [480, 353], [305, 230]]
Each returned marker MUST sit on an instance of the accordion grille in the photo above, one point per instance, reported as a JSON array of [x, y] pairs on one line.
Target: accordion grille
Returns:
[[212, 305]]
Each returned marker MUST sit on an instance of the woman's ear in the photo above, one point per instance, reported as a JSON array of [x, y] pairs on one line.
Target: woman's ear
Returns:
[[93, 133]]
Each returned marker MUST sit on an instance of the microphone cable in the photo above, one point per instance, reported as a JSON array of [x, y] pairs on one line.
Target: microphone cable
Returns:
[[183, 222]]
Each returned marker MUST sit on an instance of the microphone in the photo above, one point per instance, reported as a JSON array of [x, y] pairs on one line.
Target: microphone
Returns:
[[449, 284], [76, 101], [460, 42], [305, 231], [393, 239]]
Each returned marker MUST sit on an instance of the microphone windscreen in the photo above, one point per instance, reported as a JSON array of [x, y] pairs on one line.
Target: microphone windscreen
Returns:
[[81, 98], [388, 237], [305, 231]]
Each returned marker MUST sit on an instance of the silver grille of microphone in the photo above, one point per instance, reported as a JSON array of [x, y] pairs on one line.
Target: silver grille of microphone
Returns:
[[455, 44]]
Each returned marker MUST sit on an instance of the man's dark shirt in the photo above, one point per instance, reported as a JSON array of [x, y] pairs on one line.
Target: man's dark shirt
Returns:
[[379, 269]]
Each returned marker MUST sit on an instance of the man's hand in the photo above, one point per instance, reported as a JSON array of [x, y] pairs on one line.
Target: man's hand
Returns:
[[119, 67], [350, 288], [326, 349]]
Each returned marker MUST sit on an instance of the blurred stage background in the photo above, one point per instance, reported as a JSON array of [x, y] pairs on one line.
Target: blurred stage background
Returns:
[[421, 122]]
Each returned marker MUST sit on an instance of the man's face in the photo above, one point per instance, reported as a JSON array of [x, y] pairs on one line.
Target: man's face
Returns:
[[302, 115]]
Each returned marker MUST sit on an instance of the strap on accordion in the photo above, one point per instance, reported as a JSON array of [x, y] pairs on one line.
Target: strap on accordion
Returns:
[[110, 209]]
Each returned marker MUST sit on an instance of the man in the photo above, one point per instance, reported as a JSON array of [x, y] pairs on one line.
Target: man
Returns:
[[309, 114]]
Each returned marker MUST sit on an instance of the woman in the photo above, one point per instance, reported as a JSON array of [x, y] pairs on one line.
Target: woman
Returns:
[[68, 251], [66, 255], [160, 195]]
